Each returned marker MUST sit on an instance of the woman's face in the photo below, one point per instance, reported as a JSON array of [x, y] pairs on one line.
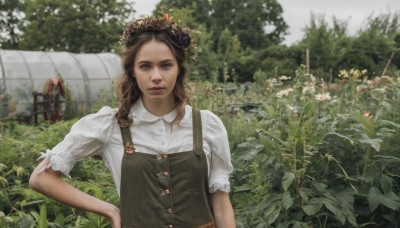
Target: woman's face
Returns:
[[156, 70]]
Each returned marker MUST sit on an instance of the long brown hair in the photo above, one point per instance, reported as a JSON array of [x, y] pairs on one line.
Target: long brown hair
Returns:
[[128, 90]]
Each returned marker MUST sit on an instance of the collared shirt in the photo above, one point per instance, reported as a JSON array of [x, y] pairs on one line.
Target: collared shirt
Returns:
[[99, 134]]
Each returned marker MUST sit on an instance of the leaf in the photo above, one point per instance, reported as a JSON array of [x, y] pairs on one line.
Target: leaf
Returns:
[[387, 122], [304, 194], [273, 217], [374, 143], [323, 119], [242, 188], [298, 224], [375, 198], [287, 180], [313, 206], [386, 105], [272, 212], [386, 183], [270, 209], [251, 149], [342, 136], [333, 206], [391, 200], [320, 187], [60, 219], [43, 216], [352, 220], [391, 158], [287, 200], [346, 198]]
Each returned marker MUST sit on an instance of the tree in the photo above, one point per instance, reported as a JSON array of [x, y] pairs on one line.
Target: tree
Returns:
[[373, 45], [327, 44], [75, 25], [11, 23], [228, 47], [257, 23]]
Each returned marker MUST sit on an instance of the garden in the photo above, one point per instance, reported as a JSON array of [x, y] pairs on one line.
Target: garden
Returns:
[[306, 153], [313, 127]]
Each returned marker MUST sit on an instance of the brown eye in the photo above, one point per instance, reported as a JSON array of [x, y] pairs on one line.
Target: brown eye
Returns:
[[145, 67], [167, 66]]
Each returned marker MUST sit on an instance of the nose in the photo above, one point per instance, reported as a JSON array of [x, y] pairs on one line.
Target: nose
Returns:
[[156, 75]]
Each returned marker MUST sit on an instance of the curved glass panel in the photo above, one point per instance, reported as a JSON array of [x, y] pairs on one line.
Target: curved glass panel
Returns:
[[39, 65], [112, 63], [92, 66], [85, 76], [14, 65]]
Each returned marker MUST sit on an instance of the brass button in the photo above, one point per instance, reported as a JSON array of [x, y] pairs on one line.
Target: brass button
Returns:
[[170, 210], [129, 149], [165, 192]]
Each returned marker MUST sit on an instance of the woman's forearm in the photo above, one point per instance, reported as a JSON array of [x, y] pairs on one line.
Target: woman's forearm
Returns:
[[223, 212], [50, 183]]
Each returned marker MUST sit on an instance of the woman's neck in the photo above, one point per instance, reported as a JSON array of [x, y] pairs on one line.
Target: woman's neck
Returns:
[[159, 108]]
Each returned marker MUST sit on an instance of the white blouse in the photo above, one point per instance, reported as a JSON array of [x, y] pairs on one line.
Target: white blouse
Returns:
[[99, 134]]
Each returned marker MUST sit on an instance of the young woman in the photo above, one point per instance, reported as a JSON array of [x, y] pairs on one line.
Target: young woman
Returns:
[[170, 163]]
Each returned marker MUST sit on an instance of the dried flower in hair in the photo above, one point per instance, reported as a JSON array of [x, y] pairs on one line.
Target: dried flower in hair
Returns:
[[165, 22]]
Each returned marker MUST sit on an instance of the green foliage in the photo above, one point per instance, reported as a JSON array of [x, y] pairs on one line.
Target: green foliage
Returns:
[[306, 153], [23, 207], [327, 162], [244, 19], [74, 26], [247, 35], [11, 22]]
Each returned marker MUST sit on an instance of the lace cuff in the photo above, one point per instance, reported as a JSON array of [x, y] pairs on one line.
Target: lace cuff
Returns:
[[57, 162], [222, 186]]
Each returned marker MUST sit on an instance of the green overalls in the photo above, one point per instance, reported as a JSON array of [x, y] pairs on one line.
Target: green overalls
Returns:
[[166, 190]]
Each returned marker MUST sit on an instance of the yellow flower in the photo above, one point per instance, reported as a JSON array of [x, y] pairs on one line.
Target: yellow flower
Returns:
[[343, 74]]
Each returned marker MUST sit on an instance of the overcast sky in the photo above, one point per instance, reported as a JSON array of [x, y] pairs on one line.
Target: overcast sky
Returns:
[[297, 12]]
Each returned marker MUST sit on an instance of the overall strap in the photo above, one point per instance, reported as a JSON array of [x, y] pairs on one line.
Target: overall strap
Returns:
[[127, 140], [197, 132]]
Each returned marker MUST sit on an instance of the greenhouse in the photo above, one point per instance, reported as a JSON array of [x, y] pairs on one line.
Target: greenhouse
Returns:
[[25, 73]]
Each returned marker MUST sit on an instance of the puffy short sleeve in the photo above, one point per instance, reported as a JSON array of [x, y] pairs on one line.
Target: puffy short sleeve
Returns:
[[86, 138], [220, 166]]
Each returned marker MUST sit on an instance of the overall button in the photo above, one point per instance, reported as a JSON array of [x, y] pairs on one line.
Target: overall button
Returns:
[[163, 155], [170, 210], [170, 226], [165, 192], [165, 173]]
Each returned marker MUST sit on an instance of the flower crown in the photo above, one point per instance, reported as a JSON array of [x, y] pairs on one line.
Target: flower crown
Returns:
[[165, 22]]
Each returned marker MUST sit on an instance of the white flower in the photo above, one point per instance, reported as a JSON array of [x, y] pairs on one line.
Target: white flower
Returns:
[[323, 96], [284, 92], [309, 88], [294, 109], [283, 78], [313, 79]]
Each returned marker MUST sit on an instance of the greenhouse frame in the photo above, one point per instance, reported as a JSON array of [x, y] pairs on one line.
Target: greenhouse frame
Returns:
[[23, 73]]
